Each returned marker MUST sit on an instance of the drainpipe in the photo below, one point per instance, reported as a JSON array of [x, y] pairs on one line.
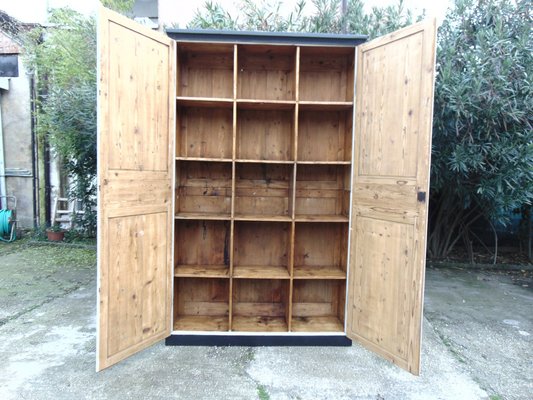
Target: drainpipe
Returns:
[[34, 158]]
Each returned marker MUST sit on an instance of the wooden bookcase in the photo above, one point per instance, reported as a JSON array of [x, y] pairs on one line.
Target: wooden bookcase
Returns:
[[262, 188], [263, 167]]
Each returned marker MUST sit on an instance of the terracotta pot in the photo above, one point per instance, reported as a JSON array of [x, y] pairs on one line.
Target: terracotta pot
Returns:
[[55, 236]]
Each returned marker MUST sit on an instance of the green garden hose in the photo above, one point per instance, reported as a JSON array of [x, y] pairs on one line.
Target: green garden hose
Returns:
[[6, 227]]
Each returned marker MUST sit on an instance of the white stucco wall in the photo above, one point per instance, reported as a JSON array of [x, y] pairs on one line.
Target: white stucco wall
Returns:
[[15, 105]]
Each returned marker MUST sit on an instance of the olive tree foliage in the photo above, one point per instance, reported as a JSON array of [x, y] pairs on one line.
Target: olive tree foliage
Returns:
[[327, 17], [63, 58], [482, 165]]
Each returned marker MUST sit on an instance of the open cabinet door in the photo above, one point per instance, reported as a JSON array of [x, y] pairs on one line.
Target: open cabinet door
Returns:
[[135, 170], [394, 92]]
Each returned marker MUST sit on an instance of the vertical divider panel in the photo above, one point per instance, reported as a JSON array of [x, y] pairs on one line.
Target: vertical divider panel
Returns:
[[233, 172], [292, 201]]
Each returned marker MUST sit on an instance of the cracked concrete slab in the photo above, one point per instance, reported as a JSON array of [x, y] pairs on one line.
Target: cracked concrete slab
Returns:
[[48, 352]]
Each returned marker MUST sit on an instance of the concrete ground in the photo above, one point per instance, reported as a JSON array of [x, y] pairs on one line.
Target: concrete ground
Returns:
[[477, 344]]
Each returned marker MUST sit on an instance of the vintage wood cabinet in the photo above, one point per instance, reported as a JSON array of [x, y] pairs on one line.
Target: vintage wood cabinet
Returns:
[[262, 189]]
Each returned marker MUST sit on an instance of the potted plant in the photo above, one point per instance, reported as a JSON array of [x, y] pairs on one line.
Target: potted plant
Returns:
[[55, 233]]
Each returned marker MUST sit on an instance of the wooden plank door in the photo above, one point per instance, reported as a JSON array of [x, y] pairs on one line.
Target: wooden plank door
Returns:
[[394, 92], [136, 96]]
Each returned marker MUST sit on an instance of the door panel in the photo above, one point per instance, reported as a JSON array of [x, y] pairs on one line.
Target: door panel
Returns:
[[394, 92], [135, 171]]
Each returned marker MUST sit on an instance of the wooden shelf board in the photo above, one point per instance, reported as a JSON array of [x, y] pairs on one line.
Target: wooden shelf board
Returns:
[[240, 160], [321, 218], [205, 216], [259, 324], [272, 218], [204, 101], [318, 272], [260, 272], [325, 105], [201, 323], [203, 159], [202, 271], [256, 104], [324, 162], [316, 324]]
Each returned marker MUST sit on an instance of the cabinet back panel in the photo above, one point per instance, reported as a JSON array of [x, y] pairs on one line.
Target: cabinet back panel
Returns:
[[205, 71], [262, 189], [326, 74], [325, 136], [261, 243], [318, 298], [203, 187], [201, 297], [264, 134], [205, 132], [202, 243], [266, 72], [266, 298], [320, 244], [322, 190]]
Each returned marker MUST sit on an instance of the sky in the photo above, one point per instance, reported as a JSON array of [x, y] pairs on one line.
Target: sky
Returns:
[[35, 10]]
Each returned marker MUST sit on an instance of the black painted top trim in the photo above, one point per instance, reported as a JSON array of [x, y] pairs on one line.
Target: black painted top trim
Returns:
[[287, 38]]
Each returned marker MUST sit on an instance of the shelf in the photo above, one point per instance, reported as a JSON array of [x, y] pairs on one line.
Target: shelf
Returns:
[[259, 324], [321, 162], [209, 102], [254, 104], [262, 218], [260, 272], [201, 323], [316, 324], [206, 216], [201, 271], [204, 159], [325, 105], [244, 161], [318, 272], [321, 218]]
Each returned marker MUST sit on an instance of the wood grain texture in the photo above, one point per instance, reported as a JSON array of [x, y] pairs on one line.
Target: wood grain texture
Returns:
[[206, 70], [265, 135], [201, 303], [266, 72], [261, 244], [322, 190], [326, 74], [205, 132], [136, 107], [263, 189], [203, 188], [321, 247], [395, 78], [325, 135], [202, 243]]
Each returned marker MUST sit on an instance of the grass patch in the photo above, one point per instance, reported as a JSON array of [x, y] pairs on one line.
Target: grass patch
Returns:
[[262, 393]]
